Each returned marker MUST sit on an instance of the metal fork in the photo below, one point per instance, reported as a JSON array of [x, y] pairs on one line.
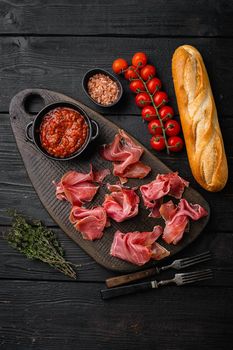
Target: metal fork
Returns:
[[180, 279], [177, 265]]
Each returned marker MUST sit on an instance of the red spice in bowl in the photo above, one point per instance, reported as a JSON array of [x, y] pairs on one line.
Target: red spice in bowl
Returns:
[[63, 131], [103, 89]]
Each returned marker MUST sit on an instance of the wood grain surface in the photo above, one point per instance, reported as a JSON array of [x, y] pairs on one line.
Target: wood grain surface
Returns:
[[122, 18], [59, 315], [59, 64], [51, 44]]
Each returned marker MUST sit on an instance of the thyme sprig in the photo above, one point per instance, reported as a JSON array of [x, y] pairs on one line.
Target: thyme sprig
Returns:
[[38, 242]]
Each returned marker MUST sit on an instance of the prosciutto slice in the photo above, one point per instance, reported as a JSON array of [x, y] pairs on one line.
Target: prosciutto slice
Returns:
[[164, 184], [138, 247], [78, 188], [177, 218], [125, 155], [121, 204], [100, 175], [90, 222]]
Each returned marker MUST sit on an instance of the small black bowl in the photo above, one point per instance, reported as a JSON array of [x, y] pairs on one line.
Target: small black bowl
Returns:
[[34, 126], [94, 71]]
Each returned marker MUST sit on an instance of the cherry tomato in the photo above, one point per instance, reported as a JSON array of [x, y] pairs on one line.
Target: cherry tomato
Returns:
[[119, 65], [139, 59], [136, 86], [130, 73], [175, 143], [166, 112], [172, 128], [154, 85], [157, 142], [155, 128], [147, 72], [148, 113], [160, 98], [142, 99]]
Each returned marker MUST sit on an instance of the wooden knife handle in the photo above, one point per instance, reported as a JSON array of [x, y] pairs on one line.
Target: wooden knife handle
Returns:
[[130, 289], [131, 277]]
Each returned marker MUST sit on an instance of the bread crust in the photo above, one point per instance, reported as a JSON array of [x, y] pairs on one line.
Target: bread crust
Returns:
[[199, 119]]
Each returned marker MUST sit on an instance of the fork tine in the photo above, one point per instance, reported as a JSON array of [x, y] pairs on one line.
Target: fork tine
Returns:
[[198, 274], [184, 260], [198, 257], [195, 261], [205, 277], [193, 273]]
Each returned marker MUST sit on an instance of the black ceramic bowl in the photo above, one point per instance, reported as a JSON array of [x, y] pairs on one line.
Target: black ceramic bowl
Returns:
[[33, 129], [94, 71]]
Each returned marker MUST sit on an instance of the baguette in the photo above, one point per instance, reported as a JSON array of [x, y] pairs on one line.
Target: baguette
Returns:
[[199, 119]]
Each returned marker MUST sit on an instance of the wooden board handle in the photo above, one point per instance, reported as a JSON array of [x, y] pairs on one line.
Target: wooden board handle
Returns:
[[131, 277], [20, 99]]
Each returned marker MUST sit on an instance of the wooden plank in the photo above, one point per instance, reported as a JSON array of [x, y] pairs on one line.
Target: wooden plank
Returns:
[[131, 123], [150, 18], [24, 199], [14, 265], [17, 191], [41, 315], [59, 65]]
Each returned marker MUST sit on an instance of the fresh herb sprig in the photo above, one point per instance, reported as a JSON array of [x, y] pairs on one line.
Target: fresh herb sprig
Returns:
[[38, 242]]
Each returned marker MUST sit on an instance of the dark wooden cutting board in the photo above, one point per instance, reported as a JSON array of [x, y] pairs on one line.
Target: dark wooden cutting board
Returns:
[[42, 171]]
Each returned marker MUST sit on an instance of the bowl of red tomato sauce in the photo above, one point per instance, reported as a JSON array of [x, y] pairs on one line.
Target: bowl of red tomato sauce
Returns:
[[62, 131]]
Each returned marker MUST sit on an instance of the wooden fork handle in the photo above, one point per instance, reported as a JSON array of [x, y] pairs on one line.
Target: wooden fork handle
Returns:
[[131, 277]]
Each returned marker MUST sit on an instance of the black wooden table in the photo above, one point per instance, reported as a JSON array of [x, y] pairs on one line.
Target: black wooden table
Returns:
[[51, 44]]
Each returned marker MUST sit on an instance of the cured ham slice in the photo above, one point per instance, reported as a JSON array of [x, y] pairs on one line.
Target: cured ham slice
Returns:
[[125, 154], [177, 218], [137, 170], [164, 184], [176, 184], [90, 222], [100, 175], [121, 204], [78, 188], [138, 247]]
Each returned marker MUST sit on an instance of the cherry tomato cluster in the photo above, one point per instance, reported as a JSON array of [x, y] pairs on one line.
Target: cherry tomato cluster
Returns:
[[152, 101]]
